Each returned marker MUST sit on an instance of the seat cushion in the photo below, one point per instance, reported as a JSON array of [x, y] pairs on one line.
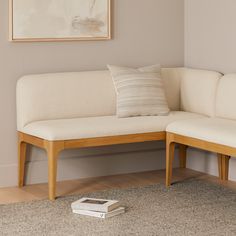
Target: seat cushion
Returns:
[[215, 130], [67, 129]]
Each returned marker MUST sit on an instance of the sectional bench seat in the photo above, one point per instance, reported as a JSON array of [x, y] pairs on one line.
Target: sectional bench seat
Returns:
[[102, 126], [76, 110], [216, 133], [215, 130]]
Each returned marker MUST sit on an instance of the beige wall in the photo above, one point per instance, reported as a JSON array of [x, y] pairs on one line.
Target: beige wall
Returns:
[[210, 34], [145, 32], [210, 43]]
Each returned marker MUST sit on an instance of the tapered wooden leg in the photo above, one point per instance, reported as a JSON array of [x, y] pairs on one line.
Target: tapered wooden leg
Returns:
[[182, 155], [225, 167], [53, 149], [52, 174], [220, 165], [170, 151], [21, 161]]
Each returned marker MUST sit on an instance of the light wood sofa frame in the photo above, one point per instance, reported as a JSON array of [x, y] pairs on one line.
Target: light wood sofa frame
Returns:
[[53, 148], [224, 153]]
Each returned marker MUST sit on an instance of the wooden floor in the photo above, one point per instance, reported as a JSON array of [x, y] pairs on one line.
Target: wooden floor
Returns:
[[40, 191]]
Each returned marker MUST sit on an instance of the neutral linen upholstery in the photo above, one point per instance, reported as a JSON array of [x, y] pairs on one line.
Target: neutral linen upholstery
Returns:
[[171, 78], [66, 129], [198, 91], [215, 130], [78, 94], [64, 95], [140, 92], [226, 97]]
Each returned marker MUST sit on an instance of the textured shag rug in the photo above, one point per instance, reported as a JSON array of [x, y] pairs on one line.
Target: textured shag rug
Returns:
[[193, 207]]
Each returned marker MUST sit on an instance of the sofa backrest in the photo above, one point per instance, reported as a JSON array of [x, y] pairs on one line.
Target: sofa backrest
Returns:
[[172, 81], [198, 91], [226, 97], [64, 95], [78, 94]]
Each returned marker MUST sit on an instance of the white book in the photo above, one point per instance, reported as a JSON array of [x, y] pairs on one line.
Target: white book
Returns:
[[94, 204], [103, 215]]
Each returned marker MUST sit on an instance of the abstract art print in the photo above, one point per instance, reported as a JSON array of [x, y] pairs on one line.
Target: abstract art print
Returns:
[[60, 20]]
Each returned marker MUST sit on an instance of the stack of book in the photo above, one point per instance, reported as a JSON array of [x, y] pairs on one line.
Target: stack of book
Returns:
[[100, 208]]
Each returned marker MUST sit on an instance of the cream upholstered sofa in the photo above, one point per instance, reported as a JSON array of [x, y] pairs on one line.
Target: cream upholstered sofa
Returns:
[[216, 98], [76, 110]]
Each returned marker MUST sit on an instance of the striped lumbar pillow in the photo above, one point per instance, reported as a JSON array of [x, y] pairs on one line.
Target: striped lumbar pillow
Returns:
[[140, 92]]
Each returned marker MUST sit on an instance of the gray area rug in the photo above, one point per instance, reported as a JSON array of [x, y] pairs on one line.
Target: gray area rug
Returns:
[[188, 208]]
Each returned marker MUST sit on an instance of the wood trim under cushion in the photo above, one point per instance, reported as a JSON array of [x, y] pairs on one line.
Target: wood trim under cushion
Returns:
[[95, 142], [38, 142], [119, 139], [53, 148], [205, 145]]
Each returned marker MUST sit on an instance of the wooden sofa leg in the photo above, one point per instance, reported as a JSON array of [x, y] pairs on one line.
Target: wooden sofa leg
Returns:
[[220, 165], [53, 149], [21, 160], [182, 155], [223, 165], [170, 151]]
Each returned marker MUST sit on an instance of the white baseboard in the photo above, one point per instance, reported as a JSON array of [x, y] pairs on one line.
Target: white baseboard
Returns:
[[92, 165], [8, 175], [87, 166], [207, 162]]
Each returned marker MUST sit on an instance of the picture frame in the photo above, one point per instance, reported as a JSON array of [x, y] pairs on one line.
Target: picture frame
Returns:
[[88, 22]]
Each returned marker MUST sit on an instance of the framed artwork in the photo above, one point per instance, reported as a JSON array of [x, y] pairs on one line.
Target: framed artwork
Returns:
[[59, 20]]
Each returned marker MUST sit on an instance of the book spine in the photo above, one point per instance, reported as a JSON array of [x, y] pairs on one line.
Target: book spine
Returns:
[[100, 209], [87, 213]]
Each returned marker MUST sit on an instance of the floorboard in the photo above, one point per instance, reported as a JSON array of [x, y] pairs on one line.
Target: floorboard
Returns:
[[83, 186]]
